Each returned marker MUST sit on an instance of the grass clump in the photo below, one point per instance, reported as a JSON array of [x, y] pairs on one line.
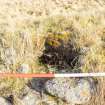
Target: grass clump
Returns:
[[11, 86], [60, 46], [74, 43]]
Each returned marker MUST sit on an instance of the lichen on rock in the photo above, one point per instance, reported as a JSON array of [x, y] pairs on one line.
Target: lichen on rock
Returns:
[[77, 91]]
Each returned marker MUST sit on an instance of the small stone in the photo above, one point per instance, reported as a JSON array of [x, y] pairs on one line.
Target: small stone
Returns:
[[3, 101], [24, 68], [31, 98], [76, 91]]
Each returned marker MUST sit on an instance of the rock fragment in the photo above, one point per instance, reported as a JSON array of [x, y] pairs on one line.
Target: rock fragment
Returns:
[[31, 98], [76, 91], [3, 101], [24, 68]]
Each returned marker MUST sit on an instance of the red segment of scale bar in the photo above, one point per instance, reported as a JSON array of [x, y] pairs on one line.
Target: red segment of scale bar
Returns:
[[15, 75]]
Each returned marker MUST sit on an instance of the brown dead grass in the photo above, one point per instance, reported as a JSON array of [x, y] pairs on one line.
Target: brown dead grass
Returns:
[[99, 98]]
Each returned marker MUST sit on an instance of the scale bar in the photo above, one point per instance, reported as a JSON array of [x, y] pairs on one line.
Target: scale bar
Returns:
[[51, 75]]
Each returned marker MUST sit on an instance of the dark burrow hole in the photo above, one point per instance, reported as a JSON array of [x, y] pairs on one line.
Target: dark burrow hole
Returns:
[[62, 57]]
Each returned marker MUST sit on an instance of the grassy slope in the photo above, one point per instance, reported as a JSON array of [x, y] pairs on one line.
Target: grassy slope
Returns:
[[23, 31]]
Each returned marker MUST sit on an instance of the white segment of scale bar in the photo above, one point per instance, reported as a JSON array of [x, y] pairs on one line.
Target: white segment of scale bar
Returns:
[[81, 75]]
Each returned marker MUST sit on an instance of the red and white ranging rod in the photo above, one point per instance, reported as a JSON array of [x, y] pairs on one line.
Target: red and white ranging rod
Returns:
[[51, 75]]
